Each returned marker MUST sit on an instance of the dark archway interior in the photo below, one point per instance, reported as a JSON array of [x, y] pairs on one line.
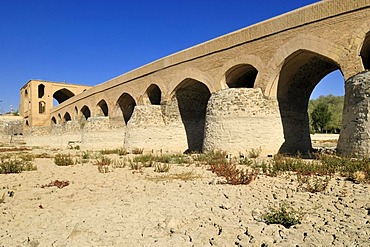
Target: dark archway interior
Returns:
[[154, 94], [67, 117], [86, 112], [53, 120], [192, 98], [103, 107], [241, 76], [41, 91], [365, 52], [62, 95], [301, 72], [127, 104]]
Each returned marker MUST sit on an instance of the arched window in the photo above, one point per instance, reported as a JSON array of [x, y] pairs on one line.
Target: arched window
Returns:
[[41, 107], [41, 91]]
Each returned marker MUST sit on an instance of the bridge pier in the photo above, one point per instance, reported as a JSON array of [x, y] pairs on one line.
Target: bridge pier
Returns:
[[241, 119], [354, 139]]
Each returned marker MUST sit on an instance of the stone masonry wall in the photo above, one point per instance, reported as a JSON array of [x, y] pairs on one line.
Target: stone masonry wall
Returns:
[[240, 119], [354, 139], [154, 130]]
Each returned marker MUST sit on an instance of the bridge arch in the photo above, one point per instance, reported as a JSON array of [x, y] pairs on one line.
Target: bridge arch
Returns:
[[192, 74], [67, 117], [241, 76], [309, 43], [237, 67], [300, 73], [102, 109], [85, 111], [192, 97], [153, 95], [53, 120], [125, 105], [365, 52], [62, 95]]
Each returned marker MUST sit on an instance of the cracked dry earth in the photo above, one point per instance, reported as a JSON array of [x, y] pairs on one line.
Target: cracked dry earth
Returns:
[[122, 208]]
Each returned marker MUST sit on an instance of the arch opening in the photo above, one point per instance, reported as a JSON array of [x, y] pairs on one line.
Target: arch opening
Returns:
[[41, 91], [365, 52], [154, 94], [86, 112], [102, 108], [53, 120], [67, 117], [300, 74], [192, 97], [62, 95], [126, 104], [241, 76], [42, 107]]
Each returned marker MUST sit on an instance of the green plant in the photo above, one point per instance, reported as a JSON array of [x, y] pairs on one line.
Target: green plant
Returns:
[[211, 157], [254, 153], [233, 175], [312, 183], [63, 160], [119, 164], [103, 164], [15, 166], [137, 150], [2, 200], [43, 156], [161, 167], [135, 165], [119, 151], [284, 215]]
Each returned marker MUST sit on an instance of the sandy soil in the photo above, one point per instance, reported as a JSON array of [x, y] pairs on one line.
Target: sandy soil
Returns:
[[127, 208]]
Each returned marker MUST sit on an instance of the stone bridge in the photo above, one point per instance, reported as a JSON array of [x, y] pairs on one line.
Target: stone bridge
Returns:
[[247, 89]]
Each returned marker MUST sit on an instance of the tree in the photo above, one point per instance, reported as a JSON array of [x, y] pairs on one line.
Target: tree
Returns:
[[321, 116]]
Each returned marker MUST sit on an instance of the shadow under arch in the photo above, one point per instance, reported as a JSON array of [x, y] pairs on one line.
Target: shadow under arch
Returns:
[[365, 52], [126, 104], [192, 97], [102, 108], [85, 110], [154, 94], [300, 73], [67, 117], [241, 76], [62, 95]]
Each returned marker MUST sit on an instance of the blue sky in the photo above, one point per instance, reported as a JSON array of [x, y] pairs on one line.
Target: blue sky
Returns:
[[89, 41]]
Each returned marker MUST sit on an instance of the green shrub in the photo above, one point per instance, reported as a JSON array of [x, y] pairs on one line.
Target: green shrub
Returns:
[[137, 150], [103, 164], [312, 183], [284, 215], [211, 157], [254, 153], [63, 160], [15, 166], [162, 167]]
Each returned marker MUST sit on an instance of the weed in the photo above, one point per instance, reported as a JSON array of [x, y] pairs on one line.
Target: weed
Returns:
[[254, 153], [63, 160], [2, 200], [284, 215], [27, 157], [162, 167], [184, 176], [43, 156], [119, 151], [15, 166], [137, 150], [86, 155], [233, 175], [212, 157], [103, 164], [56, 183], [135, 165], [119, 164], [313, 184]]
